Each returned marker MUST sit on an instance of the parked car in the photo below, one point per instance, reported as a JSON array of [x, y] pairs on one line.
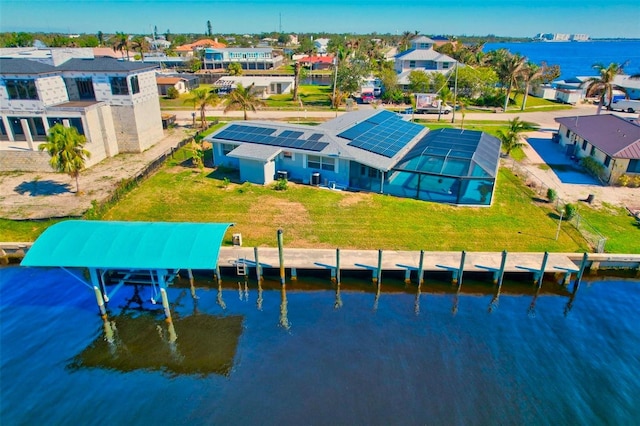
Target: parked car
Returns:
[[434, 109]]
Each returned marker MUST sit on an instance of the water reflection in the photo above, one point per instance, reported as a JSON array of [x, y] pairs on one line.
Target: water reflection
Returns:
[[144, 342], [416, 304], [219, 299], [338, 302], [284, 312], [259, 300], [375, 301], [531, 310]]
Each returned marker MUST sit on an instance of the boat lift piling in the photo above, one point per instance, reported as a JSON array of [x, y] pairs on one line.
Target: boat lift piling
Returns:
[[378, 272]]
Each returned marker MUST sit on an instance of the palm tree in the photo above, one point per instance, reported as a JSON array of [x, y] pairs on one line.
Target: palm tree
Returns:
[[201, 98], [509, 71], [242, 98], [140, 45], [122, 44], [604, 83], [530, 74], [297, 70], [66, 148], [511, 138], [234, 68]]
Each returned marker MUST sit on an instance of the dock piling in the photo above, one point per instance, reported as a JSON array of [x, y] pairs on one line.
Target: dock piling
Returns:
[[457, 275], [338, 266], [281, 257], [421, 268], [378, 273], [583, 265], [258, 268], [539, 276]]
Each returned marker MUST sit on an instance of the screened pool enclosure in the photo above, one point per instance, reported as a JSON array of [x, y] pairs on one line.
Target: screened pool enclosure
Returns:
[[448, 166]]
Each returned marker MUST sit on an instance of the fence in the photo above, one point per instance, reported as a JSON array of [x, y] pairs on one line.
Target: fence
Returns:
[[595, 239], [125, 185]]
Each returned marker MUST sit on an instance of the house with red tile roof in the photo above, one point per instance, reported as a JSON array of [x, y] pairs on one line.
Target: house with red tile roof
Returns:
[[190, 48], [317, 62], [611, 140]]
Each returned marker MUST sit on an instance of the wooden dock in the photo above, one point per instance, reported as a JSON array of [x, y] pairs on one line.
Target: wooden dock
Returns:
[[389, 260]]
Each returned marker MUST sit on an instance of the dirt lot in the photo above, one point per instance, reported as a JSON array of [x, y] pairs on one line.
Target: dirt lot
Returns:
[[26, 195]]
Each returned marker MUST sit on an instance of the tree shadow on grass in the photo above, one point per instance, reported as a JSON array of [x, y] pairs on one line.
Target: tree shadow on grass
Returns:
[[42, 187]]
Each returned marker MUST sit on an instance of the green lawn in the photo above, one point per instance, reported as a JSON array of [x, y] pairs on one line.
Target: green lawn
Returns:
[[312, 96], [617, 225], [535, 104], [314, 217]]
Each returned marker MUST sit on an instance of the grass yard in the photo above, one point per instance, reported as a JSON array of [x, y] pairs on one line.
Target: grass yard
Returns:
[[617, 225], [315, 217], [312, 96], [535, 104]]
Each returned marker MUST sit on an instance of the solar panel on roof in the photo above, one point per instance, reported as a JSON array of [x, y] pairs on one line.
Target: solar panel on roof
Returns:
[[315, 137], [381, 117], [291, 134]]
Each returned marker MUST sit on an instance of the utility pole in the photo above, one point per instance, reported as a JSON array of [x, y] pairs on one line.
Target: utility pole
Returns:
[[335, 81]]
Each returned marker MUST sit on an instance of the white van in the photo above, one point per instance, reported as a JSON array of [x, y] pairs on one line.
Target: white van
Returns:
[[625, 105]]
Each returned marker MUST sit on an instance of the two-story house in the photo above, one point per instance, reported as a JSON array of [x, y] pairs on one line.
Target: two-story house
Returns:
[[250, 58], [113, 103], [421, 57]]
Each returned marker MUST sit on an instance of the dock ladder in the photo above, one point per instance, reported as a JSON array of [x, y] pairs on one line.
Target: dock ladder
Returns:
[[241, 267]]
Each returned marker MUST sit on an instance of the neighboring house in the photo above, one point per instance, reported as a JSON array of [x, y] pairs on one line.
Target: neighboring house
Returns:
[[611, 140], [192, 49], [158, 43], [315, 63], [321, 45], [262, 86], [250, 58], [166, 82], [163, 61], [113, 103], [371, 150], [106, 52], [422, 57]]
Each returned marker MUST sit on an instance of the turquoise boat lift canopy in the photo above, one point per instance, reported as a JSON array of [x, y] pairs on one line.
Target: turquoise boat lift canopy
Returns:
[[157, 249]]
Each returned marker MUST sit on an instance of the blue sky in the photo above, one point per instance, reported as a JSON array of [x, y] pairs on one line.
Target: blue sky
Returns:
[[459, 17]]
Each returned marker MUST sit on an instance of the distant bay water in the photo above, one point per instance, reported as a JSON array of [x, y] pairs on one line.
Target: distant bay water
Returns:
[[577, 58]]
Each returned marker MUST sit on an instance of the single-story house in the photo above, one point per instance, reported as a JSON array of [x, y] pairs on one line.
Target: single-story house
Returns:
[[262, 86], [317, 62], [611, 140], [165, 82], [371, 150]]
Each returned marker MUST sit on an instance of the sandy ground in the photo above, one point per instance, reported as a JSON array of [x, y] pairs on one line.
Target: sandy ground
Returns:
[[43, 195]]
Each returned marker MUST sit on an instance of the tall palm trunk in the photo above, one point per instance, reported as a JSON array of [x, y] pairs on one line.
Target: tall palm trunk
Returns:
[[296, 80]]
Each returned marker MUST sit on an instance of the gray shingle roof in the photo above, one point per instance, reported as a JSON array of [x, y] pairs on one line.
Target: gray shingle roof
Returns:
[[24, 66], [100, 64], [613, 135], [104, 64]]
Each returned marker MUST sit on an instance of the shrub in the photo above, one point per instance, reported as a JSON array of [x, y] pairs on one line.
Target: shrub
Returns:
[[570, 211], [280, 185], [172, 93], [593, 166], [551, 195], [624, 180]]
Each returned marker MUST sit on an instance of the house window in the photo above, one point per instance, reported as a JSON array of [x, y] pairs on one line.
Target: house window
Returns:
[[324, 163], [369, 172], [445, 65], [288, 155], [227, 148], [119, 86], [135, 85], [607, 161], [568, 133], [634, 166], [593, 151], [21, 89], [412, 64], [584, 145]]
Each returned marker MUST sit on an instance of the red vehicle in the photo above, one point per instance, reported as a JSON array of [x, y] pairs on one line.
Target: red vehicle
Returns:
[[367, 97]]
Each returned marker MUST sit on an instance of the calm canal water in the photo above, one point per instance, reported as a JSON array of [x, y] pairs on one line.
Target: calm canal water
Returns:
[[242, 356]]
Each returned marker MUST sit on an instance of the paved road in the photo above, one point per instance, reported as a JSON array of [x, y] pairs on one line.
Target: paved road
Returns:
[[544, 118]]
